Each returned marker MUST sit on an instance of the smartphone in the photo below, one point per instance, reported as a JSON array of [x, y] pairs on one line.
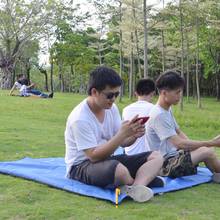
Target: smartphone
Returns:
[[144, 119]]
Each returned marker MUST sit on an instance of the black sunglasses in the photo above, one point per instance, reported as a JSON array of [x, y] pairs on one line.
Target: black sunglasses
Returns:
[[110, 95]]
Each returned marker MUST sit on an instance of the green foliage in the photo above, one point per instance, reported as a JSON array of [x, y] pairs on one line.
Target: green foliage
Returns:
[[76, 48], [71, 49]]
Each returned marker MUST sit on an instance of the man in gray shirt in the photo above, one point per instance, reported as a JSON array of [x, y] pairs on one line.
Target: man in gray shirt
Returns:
[[182, 155]]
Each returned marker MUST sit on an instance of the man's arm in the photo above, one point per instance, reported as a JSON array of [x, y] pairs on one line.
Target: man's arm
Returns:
[[103, 151], [31, 85], [166, 131], [130, 140], [183, 143], [12, 89], [136, 134], [181, 133], [128, 132]]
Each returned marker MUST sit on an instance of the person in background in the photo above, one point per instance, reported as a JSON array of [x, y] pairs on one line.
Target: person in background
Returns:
[[17, 84], [26, 88], [144, 91]]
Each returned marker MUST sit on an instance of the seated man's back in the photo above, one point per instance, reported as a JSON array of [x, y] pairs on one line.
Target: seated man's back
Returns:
[[144, 91]]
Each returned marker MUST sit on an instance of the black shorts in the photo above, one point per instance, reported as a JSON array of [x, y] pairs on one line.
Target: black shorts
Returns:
[[102, 173]]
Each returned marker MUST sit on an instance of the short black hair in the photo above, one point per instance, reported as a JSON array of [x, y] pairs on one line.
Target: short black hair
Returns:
[[20, 75], [170, 80], [101, 77], [145, 87], [24, 81]]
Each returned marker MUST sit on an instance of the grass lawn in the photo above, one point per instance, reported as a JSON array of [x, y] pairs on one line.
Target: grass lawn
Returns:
[[31, 127]]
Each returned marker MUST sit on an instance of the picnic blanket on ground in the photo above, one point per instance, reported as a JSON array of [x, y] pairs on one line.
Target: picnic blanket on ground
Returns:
[[51, 171]]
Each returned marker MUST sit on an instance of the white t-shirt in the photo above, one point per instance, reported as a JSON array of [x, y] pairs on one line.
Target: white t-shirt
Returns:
[[142, 108], [161, 126], [24, 91], [18, 85], [84, 131]]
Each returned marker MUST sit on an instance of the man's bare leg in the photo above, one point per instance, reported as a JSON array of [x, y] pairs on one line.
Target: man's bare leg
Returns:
[[149, 170], [145, 174], [122, 176], [208, 156], [123, 179]]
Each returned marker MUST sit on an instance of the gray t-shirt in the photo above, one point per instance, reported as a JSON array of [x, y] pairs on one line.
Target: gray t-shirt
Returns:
[[160, 127]]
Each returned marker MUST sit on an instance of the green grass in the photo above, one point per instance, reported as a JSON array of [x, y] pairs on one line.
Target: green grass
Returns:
[[31, 127]]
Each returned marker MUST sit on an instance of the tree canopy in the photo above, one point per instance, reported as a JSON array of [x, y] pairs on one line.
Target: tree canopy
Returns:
[[132, 36]]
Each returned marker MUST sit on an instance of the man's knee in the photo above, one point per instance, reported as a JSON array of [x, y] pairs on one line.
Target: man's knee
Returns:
[[208, 152], [121, 171], [122, 175], [156, 155]]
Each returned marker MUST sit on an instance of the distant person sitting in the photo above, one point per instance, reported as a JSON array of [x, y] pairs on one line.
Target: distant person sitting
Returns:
[[17, 84], [182, 155], [145, 90], [25, 88]]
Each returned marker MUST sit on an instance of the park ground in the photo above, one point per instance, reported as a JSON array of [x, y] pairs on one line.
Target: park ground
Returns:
[[34, 127]]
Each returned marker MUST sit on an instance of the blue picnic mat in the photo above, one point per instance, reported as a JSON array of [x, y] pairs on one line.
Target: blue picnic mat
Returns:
[[51, 171]]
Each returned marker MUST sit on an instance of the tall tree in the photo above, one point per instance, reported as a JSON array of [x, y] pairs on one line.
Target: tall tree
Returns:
[[131, 72], [20, 22], [163, 44], [136, 38], [145, 39], [182, 48]]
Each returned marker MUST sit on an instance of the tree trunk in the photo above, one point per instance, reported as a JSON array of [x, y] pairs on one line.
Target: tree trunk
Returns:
[[44, 71], [194, 83], [131, 69], [100, 55], [6, 78], [217, 74], [27, 69], [182, 49], [7, 65], [51, 75], [145, 39], [136, 40], [61, 79], [13, 78], [197, 64], [218, 86], [138, 55], [163, 47], [163, 51], [187, 67], [71, 78], [46, 81], [176, 61], [120, 51]]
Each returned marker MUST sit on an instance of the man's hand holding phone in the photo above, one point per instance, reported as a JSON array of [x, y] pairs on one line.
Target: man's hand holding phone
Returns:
[[133, 129], [139, 127], [143, 119]]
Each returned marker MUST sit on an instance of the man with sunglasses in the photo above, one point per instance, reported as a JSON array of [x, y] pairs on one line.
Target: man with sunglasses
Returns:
[[94, 131]]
